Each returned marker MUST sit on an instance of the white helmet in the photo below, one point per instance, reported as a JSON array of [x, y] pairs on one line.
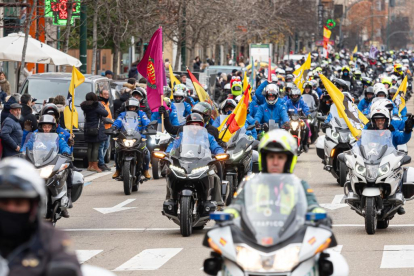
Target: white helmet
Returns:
[[179, 93], [282, 72], [271, 89], [227, 86], [380, 88], [380, 112], [274, 78], [394, 78], [381, 103]]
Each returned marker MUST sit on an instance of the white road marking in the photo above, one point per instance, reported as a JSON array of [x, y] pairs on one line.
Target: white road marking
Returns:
[[149, 259], [116, 208], [336, 203], [398, 256], [98, 175], [84, 255]]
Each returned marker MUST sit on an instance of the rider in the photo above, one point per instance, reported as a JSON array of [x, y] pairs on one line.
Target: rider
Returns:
[[143, 121], [296, 106], [398, 71], [28, 244], [386, 82], [172, 110], [205, 110], [179, 97], [272, 109], [381, 92], [365, 103], [328, 119]]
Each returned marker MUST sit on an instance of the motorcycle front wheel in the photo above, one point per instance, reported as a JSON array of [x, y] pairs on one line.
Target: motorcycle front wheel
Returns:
[[127, 177], [186, 216], [370, 216], [156, 168]]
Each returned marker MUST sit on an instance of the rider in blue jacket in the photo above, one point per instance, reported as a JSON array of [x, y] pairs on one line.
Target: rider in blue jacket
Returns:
[[365, 103], [173, 116], [179, 97], [272, 109], [296, 106]]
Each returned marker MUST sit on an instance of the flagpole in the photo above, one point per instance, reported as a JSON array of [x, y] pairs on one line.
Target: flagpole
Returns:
[[162, 115]]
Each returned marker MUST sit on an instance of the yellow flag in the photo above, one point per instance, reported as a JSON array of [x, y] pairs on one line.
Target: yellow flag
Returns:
[[326, 33], [70, 113], [347, 110], [399, 97], [353, 52], [301, 73], [174, 81]]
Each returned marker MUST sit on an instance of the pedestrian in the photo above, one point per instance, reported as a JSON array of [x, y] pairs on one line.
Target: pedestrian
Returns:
[[15, 98], [125, 95], [103, 148], [109, 74], [11, 131], [28, 120], [196, 64], [4, 84], [183, 79], [142, 83], [60, 102], [133, 72], [94, 129]]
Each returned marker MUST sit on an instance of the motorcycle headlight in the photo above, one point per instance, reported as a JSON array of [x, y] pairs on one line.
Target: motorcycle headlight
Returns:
[[177, 170], [294, 125], [198, 171], [335, 135], [282, 260], [129, 143], [45, 172], [360, 169], [384, 169], [237, 155]]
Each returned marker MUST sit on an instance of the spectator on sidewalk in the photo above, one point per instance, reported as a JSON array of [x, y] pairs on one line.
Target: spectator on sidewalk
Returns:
[[103, 148], [15, 98], [4, 84]]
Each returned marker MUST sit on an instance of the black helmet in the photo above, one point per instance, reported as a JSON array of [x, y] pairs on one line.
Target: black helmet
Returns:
[[204, 109], [132, 102], [366, 81], [226, 103], [47, 120], [370, 90], [194, 118], [50, 109]]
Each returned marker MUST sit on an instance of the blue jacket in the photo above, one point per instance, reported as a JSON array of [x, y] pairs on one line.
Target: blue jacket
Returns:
[[59, 130], [328, 119], [214, 146], [249, 121], [187, 110], [398, 124], [398, 137], [173, 116], [11, 135], [404, 113], [142, 117], [63, 146], [261, 99], [277, 112], [297, 107], [364, 106], [319, 91], [254, 106]]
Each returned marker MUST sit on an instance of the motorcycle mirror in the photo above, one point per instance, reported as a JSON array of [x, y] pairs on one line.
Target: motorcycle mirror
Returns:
[[250, 127], [315, 216], [159, 154], [152, 123], [151, 132], [222, 156], [406, 160]]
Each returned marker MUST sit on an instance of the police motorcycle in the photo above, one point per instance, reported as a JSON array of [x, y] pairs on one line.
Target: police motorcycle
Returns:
[[375, 173], [268, 231], [337, 140], [130, 149], [54, 169], [192, 180], [297, 128], [313, 113], [158, 142]]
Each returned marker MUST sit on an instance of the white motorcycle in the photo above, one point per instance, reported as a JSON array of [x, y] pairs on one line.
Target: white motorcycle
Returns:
[[271, 233], [375, 173]]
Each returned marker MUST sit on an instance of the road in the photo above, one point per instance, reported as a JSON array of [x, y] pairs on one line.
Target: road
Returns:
[[129, 236]]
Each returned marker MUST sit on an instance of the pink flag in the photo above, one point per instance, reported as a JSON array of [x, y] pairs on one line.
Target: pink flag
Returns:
[[152, 68]]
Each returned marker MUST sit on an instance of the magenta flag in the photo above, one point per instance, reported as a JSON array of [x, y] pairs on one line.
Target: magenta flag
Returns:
[[152, 68]]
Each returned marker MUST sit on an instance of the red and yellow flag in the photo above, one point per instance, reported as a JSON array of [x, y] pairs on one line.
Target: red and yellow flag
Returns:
[[236, 119], [202, 94]]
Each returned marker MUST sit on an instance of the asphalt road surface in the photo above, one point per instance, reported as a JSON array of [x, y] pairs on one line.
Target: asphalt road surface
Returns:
[[129, 236]]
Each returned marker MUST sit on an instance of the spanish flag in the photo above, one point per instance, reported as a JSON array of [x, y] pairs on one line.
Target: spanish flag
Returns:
[[70, 113], [399, 97], [301, 73], [347, 110], [236, 119], [202, 94], [174, 81]]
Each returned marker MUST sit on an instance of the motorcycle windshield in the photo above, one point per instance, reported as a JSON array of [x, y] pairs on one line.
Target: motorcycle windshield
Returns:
[[45, 147], [232, 142], [180, 112], [336, 121], [273, 207], [273, 125], [194, 143], [374, 144], [130, 123], [310, 101]]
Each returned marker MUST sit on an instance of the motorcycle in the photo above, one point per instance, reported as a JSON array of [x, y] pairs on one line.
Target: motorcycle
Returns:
[[375, 173], [53, 167], [313, 112], [297, 129], [337, 140], [158, 142], [192, 181], [272, 233], [130, 149]]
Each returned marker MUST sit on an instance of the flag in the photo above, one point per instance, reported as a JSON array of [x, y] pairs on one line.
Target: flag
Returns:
[[353, 52], [70, 113], [399, 97], [326, 33], [373, 52], [347, 110], [237, 119], [174, 81], [301, 73], [152, 67], [202, 94], [269, 71]]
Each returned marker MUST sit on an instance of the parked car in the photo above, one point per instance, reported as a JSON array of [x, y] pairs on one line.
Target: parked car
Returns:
[[48, 85]]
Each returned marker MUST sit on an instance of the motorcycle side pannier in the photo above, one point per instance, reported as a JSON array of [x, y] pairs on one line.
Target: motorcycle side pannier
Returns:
[[408, 183]]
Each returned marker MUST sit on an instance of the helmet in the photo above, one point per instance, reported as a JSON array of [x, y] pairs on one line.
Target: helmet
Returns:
[[194, 118], [280, 141], [389, 69], [226, 103], [289, 70], [274, 78], [398, 69], [177, 94], [346, 68], [366, 81], [181, 87], [389, 60], [381, 102], [386, 80], [307, 84], [50, 109], [271, 89], [341, 84], [392, 90], [290, 86], [236, 88], [380, 113], [204, 109], [380, 88], [140, 91], [369, 90], [132, 102], [227, 88], [349, 96], [289, 77], [394, 78], [295, 92], [357, 74], [47, 120]]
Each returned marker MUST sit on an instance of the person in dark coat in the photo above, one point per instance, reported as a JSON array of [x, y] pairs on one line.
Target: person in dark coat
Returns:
[[6, 110], [94, 112], [125, 95], [27, 120], [11, 132]]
